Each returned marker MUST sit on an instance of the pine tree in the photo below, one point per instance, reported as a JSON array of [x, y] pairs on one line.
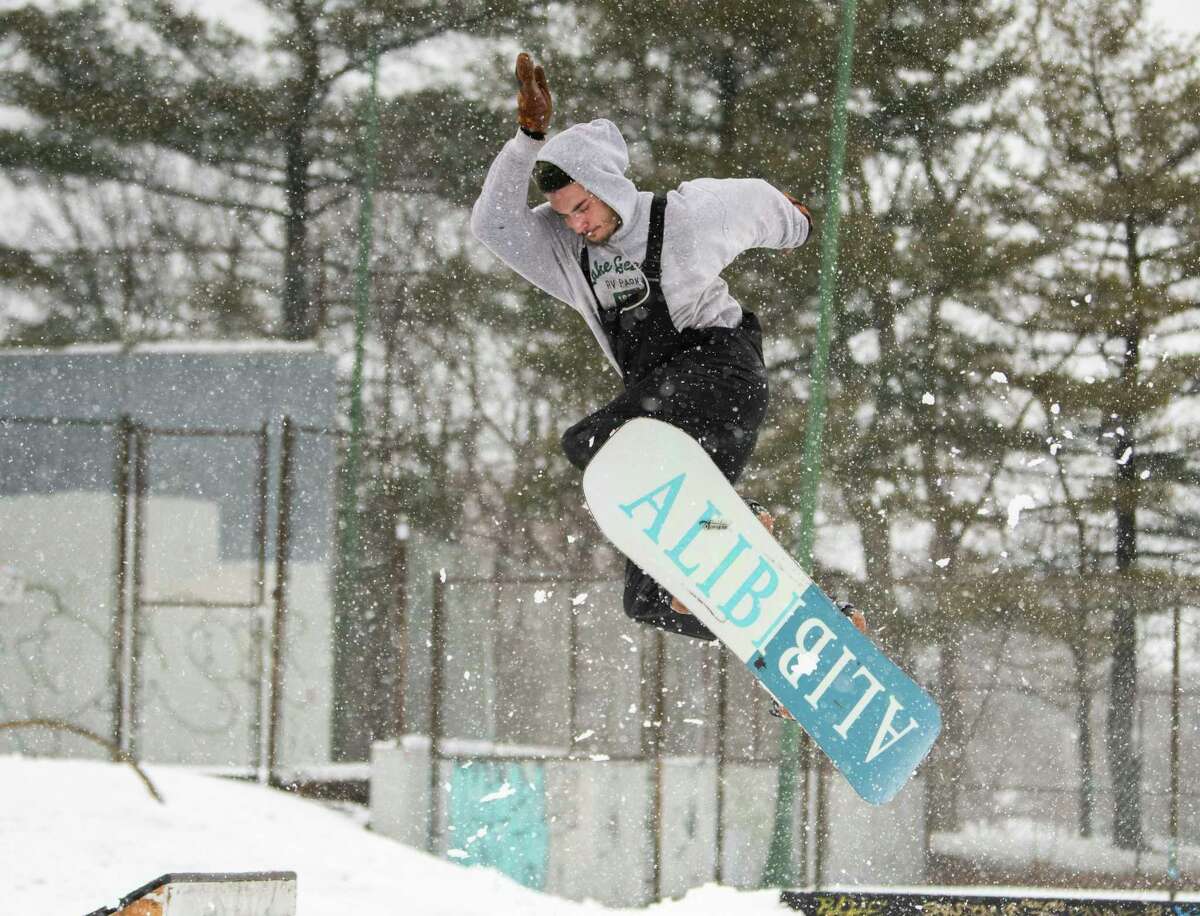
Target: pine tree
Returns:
[[917, 430], [165, 101], [1114, 182]]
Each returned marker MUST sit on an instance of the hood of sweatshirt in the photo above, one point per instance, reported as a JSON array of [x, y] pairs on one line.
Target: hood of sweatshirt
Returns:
[[595, 155]]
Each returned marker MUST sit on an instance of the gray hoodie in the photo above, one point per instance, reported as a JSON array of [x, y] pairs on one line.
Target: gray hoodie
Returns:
[[709, 222]]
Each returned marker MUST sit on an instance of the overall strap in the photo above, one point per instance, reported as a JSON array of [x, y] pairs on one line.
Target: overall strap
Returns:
[[652, 263], [585, 264]]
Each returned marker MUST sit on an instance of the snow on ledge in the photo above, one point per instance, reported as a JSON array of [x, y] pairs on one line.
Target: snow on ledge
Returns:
[[257, 345]]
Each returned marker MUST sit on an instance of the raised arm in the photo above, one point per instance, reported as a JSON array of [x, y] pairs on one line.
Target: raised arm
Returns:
[[525, 239]]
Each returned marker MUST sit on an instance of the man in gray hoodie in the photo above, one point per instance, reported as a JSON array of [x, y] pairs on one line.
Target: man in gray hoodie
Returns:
[[644, 271]]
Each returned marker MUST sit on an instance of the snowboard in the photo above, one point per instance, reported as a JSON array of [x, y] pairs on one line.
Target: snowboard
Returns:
[[660, 499]]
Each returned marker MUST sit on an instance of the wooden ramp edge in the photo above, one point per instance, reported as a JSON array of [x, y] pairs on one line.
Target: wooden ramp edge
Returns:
[[269, 893]]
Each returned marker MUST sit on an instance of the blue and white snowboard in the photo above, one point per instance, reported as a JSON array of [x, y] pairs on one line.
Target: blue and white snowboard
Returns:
[[659, 498]]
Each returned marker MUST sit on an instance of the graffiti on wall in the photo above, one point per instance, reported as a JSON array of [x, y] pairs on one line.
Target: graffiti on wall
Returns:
[[498, 819]]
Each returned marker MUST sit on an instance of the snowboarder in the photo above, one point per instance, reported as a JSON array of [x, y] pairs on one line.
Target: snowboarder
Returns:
[[644, 270]]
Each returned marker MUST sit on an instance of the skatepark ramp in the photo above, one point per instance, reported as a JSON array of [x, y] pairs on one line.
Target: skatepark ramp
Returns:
[[812, 903], [270, 893]]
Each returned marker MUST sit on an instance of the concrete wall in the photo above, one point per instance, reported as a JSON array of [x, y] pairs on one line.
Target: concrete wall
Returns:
[[201, 671], [197, 689], [57, 621], [598, 837]]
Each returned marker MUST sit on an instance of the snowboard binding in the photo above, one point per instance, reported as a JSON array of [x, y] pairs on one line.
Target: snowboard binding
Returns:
[[768, 522]]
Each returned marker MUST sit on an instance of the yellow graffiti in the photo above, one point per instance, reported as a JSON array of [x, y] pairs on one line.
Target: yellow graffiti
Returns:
[[846, 905], [829, 904]]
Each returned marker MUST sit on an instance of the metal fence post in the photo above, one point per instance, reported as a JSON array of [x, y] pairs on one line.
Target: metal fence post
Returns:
[[572, 668], [124, 433], [140, 447], [283, 533], [437, 655], [656, 711], [400, 655], [722, 713]]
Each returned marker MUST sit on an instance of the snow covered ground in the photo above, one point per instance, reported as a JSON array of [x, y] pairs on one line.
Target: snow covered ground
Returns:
[[78, 835], [1017, 843]]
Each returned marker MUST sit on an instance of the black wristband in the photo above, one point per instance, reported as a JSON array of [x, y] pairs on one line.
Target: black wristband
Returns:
[[533, 134]]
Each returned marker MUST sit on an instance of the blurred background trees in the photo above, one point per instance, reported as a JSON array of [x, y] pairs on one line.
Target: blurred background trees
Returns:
[[1014, 358]]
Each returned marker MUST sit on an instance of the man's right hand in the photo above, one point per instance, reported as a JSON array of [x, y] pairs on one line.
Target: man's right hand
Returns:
[[799, 206], [534, 105]]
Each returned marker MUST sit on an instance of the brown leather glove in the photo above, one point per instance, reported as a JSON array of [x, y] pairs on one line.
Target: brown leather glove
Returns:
[[534, 105], [799, 206], [857, 617]]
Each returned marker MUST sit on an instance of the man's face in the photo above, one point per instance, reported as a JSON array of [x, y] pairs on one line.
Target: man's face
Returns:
[[584, 213]]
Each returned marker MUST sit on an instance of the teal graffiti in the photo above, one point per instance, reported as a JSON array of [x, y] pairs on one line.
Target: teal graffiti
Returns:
[[497, 817]]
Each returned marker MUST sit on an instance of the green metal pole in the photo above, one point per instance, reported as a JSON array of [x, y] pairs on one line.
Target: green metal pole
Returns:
[[1173, 872], [348, 508], [778, 871], [362, 299]]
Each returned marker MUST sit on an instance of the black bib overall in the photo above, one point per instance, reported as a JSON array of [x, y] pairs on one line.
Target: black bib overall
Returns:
[[709, 382]]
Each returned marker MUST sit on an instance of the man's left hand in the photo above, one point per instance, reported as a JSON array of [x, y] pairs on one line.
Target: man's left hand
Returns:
[[534, 104]]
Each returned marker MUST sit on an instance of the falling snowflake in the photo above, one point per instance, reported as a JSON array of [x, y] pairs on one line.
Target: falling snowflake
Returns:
[[1017, 505], [505, 791]]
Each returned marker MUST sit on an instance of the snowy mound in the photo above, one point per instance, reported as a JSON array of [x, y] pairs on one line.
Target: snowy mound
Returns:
[[79, 834]]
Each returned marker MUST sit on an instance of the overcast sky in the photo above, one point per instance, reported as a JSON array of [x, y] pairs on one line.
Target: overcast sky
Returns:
[[1177, 15], [249, 16]]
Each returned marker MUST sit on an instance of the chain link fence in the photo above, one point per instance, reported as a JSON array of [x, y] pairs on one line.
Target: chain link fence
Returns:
[[139, 600]]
